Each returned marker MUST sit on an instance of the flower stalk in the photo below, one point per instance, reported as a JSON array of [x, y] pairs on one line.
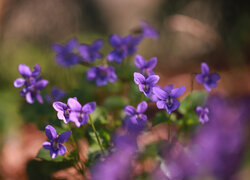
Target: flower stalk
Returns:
[[97, 137]]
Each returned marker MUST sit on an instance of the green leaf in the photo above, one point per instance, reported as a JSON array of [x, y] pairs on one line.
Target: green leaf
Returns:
[[45, 155], [197, 98], [160, 117], [37, 169], [114, 103]]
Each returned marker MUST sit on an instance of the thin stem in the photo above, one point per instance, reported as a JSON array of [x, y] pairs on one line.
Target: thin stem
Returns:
[[97, 137], [77, 159], [169, 128]]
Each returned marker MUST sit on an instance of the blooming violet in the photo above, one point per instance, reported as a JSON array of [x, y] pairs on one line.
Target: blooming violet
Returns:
[[55, 145], [120, 48], [145, 67], [135, 118], [63, 110], [207, 79], [65, 54], [56, 95], [80, 114], [203, 114], [167, 98], [146, 84], [32, 83], [102, 75], [91, 52], [123, 46], [148, 31]]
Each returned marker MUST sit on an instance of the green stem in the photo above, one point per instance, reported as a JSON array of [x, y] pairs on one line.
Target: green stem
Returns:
[[77, 159], [97, 137], [169, 128]]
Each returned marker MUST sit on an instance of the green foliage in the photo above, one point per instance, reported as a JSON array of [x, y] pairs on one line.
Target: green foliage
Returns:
[[197, 98], [189, 118], [45, 155], [160, 117], [37, 169], [114, 103]]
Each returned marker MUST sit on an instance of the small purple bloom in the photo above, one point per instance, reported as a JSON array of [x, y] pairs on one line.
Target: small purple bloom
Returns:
[[91, 52], [207, 79], [148, 31], [135, 118], [133, 42], [102, 75], [65, 54], [56, 95], [120, 48], [80, 114], [32, 83], [118, 164], [145, 67], [146, 84], [167, 97], [55, 145], [203, 114], [63, 110]]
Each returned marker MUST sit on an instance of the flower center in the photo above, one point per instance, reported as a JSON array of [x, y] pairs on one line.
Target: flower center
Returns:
[[102, 74], [169, 101], [146, 88], [206, 79], [55, 145]]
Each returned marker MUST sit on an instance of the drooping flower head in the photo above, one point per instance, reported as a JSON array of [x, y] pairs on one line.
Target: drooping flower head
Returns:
[[207, 79], [203, 114], [80, 114], [56, 95], [65, 54], [135, 118], [63, 110], [55, 145], [148, 31], [102, 75], [167, 97], [32, 82], [146, 84], [145, 67], [91, 52]]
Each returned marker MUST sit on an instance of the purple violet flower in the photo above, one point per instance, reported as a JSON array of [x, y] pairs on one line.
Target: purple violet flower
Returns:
[[102, 75], [91, 52], [118, 164], [135, 118], [120, 48], [133, 42], [148, 31], [145, 67], [203, 114], [80, 114], [207, 79], [32, 83], [55, 145], [56, 95], [146, 84], [63, 110], [167, 97], [65, 54]]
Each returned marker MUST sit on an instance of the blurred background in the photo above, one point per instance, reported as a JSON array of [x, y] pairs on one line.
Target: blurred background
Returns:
[[191, 31]]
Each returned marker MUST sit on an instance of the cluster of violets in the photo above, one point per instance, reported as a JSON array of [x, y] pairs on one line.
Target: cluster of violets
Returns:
[[72, 53]]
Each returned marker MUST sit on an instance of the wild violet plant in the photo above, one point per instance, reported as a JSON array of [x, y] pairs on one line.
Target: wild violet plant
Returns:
[[118, 121]]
